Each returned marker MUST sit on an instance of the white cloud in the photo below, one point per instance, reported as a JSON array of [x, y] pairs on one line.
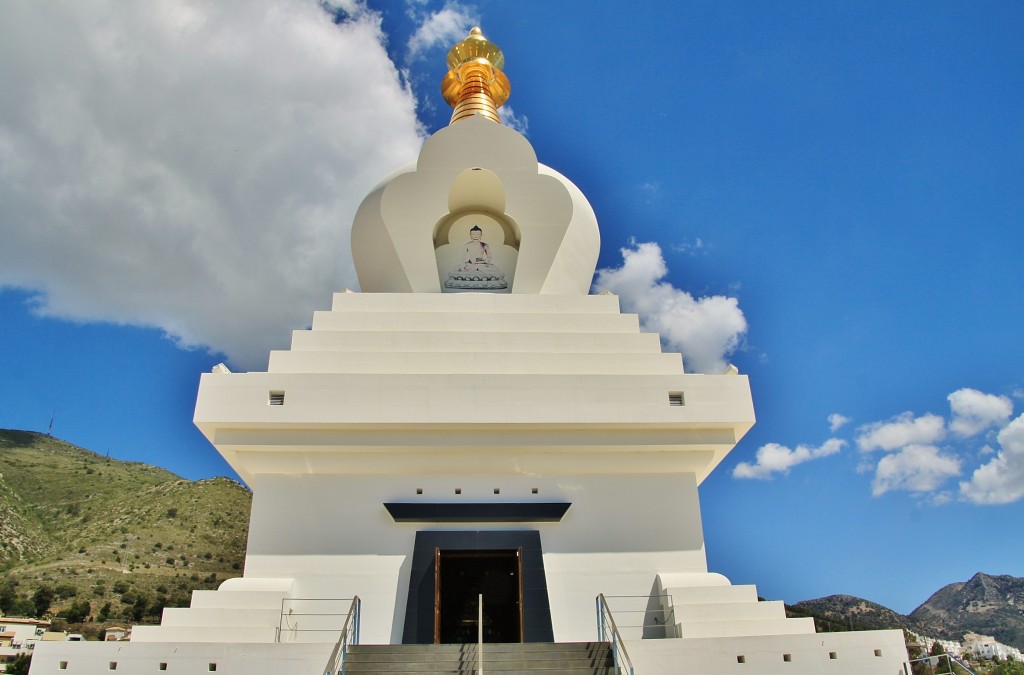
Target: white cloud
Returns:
[[915, 468], [704, 330], [974, 411], [773, 458], [837, 421], [1001, 479], [511, 119], [691, 248], [900, 431], [192, 164], [445, 27]]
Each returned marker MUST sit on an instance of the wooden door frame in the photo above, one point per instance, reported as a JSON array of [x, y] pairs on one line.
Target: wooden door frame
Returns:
[[519, 575], [477, 553]]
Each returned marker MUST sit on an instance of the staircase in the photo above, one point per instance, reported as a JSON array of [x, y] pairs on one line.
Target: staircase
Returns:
[[547, 658]]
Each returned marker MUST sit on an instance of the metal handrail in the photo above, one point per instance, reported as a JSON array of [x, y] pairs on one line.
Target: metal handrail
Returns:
[[667, 612], [604, 620], [349, 637], [285, 622], [480, 635]]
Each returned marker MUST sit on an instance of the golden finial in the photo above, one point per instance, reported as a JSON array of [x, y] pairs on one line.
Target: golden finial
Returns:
[[475, 84]]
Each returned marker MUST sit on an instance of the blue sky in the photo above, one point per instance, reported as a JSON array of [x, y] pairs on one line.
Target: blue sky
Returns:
[[832, 190]]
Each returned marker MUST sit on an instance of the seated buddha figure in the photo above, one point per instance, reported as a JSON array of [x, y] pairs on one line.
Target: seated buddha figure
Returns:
[[476, 271]]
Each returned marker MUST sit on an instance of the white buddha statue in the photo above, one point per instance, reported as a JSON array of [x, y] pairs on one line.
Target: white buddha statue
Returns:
[[476, 271]]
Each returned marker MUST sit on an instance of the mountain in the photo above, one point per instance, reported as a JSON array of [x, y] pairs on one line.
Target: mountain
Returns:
[[122, 536], [986, 604], [847, 612]]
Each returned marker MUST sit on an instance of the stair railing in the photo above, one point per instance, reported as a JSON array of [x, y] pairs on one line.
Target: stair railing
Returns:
[[607, 631], [950, 660], [645, 616], [302, 619], [349, 637], [480, 636]]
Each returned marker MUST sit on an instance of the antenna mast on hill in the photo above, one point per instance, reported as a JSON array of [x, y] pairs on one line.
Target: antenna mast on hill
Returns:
[[49, 430]]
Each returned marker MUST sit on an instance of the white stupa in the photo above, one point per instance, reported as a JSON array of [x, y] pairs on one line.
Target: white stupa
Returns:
[[473, 421]]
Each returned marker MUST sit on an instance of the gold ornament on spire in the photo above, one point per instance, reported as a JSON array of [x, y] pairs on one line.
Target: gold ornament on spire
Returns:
[[475, 84]]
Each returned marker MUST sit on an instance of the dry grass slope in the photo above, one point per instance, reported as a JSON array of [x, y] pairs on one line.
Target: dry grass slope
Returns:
[[101, 530]]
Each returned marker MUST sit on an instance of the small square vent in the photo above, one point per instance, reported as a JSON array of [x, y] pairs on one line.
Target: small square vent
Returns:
[[276, 398], [675, 398]]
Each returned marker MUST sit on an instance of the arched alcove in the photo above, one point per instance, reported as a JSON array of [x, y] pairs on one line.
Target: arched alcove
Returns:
[[476, 244]]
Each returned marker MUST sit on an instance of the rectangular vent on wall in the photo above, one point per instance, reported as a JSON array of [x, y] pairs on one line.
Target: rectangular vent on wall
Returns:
[[675, 398], [276, 398]]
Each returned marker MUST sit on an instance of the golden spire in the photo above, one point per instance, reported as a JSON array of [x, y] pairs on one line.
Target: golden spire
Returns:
[[475, 84]]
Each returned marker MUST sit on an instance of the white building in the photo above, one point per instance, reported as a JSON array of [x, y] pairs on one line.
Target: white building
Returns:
[[473, 421], [986, 647], [927, 643], [19, 636]]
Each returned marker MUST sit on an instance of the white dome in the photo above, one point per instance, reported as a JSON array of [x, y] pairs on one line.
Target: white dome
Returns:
[[539, 233]]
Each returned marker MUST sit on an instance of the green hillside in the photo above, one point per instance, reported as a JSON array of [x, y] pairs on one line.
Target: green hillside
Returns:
[[124, 537]]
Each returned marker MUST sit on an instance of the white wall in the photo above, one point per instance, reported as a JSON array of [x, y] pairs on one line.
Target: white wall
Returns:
[[860, 653], [333, 535], [95, 658]]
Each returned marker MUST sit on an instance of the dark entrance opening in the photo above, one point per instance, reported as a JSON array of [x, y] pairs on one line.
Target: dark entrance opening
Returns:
[[461, 576], [421, 606]]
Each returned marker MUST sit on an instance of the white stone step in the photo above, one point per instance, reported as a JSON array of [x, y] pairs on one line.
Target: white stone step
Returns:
[[435, 341], [483, 363], [709, 594], [460, 322], [190, 616], [474, 302], [730, 611], [204, 634], [746, 628], [256, 600]]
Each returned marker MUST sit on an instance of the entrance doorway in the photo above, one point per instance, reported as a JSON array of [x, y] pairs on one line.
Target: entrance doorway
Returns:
[[460, 577]]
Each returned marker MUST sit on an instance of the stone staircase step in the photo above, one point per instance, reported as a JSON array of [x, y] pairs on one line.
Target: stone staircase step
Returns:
[[580, 658], [471, 670]]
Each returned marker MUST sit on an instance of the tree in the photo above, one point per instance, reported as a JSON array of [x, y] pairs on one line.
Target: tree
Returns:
[[943, 664], [23, 607], [8, 594], [42, 599], [20, 665], [156, 610], [65, 591], [78, 612], [1009, 668], [139, 608]]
